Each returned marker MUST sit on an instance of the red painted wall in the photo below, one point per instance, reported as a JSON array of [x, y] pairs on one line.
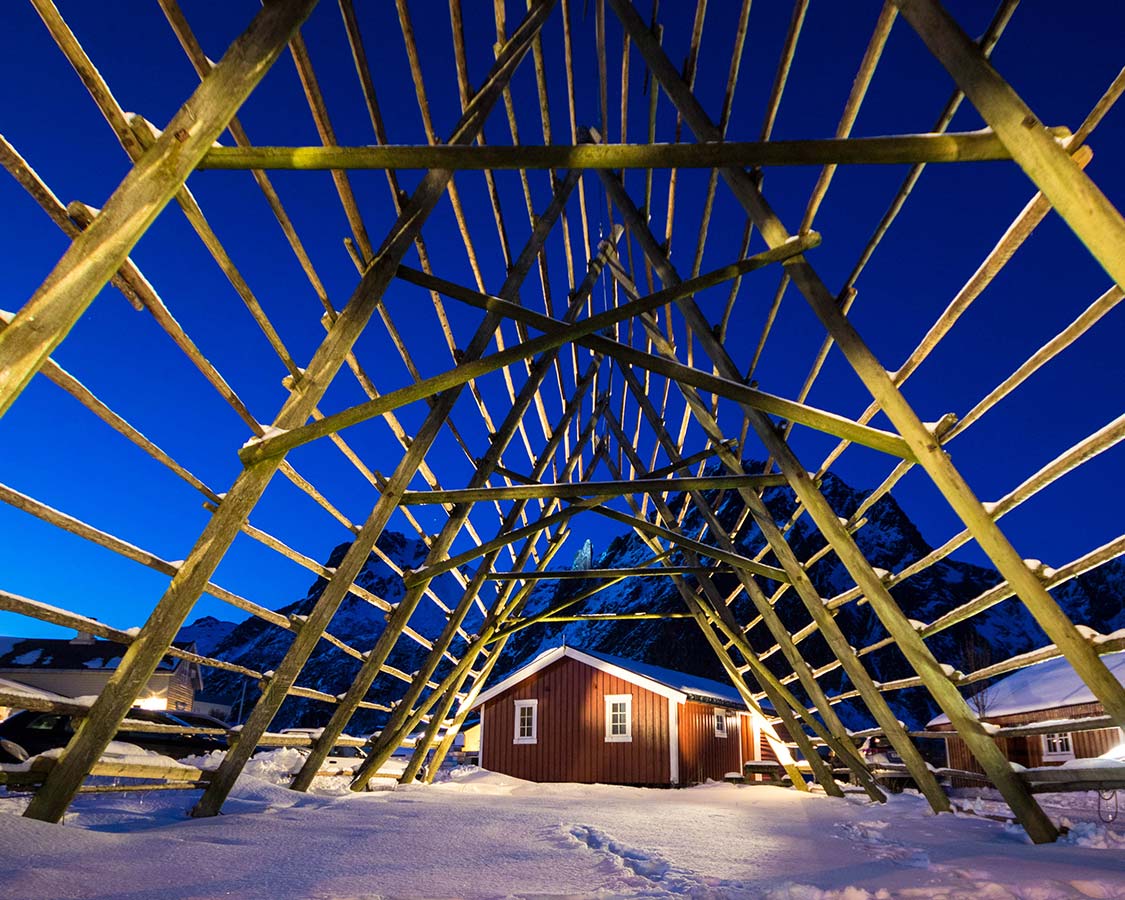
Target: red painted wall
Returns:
[[702, 754], [571, 730]]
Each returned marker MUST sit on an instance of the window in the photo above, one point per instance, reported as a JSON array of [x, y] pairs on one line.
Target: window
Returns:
[[46, 723], [720, 723], [619, 718], [1057, 746], [527, 722]]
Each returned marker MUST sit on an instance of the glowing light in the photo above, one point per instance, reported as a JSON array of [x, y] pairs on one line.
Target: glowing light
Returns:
[[153, 702]]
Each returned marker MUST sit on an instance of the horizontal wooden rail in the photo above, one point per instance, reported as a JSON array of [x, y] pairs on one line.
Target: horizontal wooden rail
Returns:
[[557, 335], [810, 416], [592, 489], [974, 146], [581, 574], [612, 617], [732, 559]]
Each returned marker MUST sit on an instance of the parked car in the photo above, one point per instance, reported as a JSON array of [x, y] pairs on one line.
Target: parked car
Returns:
[[30, 733], [199, 719], [345, 759], [877, 751], [888, 767]]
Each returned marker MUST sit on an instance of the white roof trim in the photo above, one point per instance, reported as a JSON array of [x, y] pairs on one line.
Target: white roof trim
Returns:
[[554, 655]]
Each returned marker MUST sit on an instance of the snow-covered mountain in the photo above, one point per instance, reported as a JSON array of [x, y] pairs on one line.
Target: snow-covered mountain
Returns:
[[207, 632], [890, 541], [261, 646]]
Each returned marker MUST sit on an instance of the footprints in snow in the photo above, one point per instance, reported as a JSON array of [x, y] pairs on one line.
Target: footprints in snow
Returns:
[[645, 863], [870, 836]]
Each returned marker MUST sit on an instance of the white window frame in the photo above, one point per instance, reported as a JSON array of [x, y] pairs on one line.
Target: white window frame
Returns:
[[1058, 754], [533, 705], [610, 700], [720, 715]]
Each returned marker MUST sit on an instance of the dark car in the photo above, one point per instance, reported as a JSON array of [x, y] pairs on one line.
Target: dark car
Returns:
[[877, 751], [36, 732]]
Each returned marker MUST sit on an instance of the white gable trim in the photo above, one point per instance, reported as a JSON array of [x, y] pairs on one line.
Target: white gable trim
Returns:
[[545, 659]]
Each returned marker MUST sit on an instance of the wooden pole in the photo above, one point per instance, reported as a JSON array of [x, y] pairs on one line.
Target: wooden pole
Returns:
[[441, 700], [459, 516], [558, 334], [591, 489], [356, 556], [505, 631], [141, 659], [891, 150], [98, 252], [617, 574], [775, 540], [1073, 195], [404, 718], [729, 386], [1030, 814], [839, 739]]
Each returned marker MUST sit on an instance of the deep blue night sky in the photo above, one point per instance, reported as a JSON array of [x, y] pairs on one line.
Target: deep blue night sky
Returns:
[[50, 448]]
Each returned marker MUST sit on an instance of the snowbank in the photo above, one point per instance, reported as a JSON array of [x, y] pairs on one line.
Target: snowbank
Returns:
[[482, 835]]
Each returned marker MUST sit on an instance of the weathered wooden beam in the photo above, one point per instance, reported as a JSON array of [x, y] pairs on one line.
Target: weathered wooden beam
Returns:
[[685, 463], [481, 650], [614, 617], [98, 253], [356, 556], [727, 387], [775, 539], [736, 560], [503, 630], [784, 703], [29, 179], [442, 699], [974, 146], [617, 574], [1030, 814], [840, 739], [90, 261], [591, 489], [430, 571], [489, 646], [458, 517], [558, 334], [1074, 196], [407, 716], [168, 616]]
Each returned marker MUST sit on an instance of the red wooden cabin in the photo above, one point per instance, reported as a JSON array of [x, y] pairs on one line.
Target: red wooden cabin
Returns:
[[1053, 699], [580, 716]]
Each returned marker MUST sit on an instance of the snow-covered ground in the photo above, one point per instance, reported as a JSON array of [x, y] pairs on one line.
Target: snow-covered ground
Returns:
[[482, 835]]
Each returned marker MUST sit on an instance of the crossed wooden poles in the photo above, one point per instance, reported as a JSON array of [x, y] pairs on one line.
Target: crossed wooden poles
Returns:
[[1052, 158]]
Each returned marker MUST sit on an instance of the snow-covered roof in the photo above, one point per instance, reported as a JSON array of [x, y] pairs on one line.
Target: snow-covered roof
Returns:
[[1042, 686], [678, 686], [59, 653], [18, 687]]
